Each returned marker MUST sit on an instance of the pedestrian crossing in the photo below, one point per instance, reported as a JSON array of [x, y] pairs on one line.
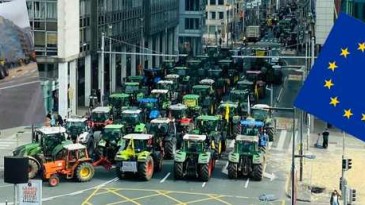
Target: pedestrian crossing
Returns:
[[7, 144]]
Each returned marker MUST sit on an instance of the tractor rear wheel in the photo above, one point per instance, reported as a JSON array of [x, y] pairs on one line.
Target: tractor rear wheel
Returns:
[[146, 169], [118, 172], [178, 170], [33, 168], [85, 172], [270, 132], [205, 171], [170, 148], [257, 172], [53, 180], [232, 170]]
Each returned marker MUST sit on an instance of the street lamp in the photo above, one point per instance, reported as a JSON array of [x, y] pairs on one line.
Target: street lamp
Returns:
[[110, 34], [142, 45]]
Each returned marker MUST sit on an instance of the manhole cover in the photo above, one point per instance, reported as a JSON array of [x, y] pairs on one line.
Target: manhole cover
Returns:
[[317, 190], [267, 197]]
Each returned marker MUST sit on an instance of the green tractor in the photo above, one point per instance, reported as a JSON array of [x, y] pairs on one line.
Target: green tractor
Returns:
[[118, 103], [262, 112], [76, 126], [99, 118], [231, 120], [178, 112], [139, 156], [194, 159], [211, 126], [47, 143], [242, 98], [246, 159], [171, 86], [164, 130], [134, 89], [191, 101], [207, 95], [133, 120], [164, 98]]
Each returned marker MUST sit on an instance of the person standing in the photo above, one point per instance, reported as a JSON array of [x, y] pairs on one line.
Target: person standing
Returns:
[[335, 198], [325, 135]]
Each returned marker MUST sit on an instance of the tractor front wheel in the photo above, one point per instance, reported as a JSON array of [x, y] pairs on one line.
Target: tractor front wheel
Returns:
[[170, 148], [257, 172], [53, 180], [205, 171], [232, 170], [178, 170], [33, 168], [270, 133], [146, 169], [118, 172], [85, 172]]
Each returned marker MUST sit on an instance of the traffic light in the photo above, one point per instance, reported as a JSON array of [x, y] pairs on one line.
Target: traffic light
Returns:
[[345, 164], [352, 194], [349, 164]]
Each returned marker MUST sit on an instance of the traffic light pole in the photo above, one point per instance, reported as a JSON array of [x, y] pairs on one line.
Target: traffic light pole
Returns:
[[343, 180]]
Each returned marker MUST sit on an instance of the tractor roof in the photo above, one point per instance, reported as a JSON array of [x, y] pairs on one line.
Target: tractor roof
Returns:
[[253, 72], [172, 76], [178, 107], [51, 130], [261, 107], [101, 109], [252, 123], [157, 91], [247, 82], [191, 96], [131, 83], [208, 117], [137, 111], [76, 119], [165, 82], [235, 91], [161, 120], [181, 68], [247, 138], [119, 95], [229, 104], [147, 100], [194, 137], [225, 61], [207, 81], [201, 86], [138, 136], [114, 126], [76, 146]]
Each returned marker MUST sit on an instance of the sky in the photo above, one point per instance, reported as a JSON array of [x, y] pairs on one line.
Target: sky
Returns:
[[16, 11]]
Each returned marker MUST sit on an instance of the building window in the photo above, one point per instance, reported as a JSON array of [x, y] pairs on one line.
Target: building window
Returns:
[[220, 2], [39, 38], [221, 15], [212, 2], [191, 5], [39, 10], [51, 10], [52, 39], [51, 26], [212, 14], [191, 23]]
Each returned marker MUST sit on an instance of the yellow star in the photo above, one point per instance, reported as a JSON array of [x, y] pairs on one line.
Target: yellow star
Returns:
[[344, 52], [328, 84], [332, 66], [361, 47], [363, 117], [348, 113], [334, 101]]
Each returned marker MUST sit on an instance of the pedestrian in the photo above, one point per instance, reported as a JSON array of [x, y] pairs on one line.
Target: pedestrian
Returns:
[[334, 198], [325, 135]]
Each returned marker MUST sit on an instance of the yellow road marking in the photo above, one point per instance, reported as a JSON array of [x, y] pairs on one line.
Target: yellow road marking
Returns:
[[124, 197], [86, 201], [283, 202], [200, 200], [170, 197], [218, 199], [134, 199]]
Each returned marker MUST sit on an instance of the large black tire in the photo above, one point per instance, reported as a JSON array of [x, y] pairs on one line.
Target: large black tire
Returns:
[[33, 168], [146, 169], [232, 171], [257, 173], [178, 170], [91, 146], [118, 172], [170, 149], [2, 73], [84, 172], [6, 71], [205, 171], [270, 132], [54, 180], [158, 163]]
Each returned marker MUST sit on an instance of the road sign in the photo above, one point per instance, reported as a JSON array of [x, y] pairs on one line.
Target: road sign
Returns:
[[30, 193]]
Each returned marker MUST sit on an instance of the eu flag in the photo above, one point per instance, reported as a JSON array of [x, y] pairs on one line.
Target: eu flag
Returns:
[[334, 90]]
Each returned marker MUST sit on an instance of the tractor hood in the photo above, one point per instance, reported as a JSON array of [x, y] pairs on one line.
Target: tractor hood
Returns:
[[27, 150]]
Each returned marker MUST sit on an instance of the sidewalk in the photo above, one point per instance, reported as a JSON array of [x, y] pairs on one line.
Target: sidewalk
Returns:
[[321, 175]]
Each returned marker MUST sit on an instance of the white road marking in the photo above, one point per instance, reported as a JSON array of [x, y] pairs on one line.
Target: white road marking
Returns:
[[280, 145], [6, 185], [247, 181], [231, 145], [164, 179], [203, 185], [270, 176], [224, 169], [19, 85]]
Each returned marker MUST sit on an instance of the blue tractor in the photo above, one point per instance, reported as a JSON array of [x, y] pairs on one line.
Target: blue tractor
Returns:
[[150, 108], [151, 77], [250, 127]]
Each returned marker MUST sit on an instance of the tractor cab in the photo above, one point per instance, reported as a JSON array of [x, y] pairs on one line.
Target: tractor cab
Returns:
[[99, 118], [245, 85], [76, 126], [229, 112], [167, 66], [164, 129], [178, 112], [194, 143], [261, 112], [163, 96], [207, 123], [258, 81], [150, 108], [110, 141], [207, 95], [152, 76], [173, 77], [135, 78], [243, 98], [246, 144], [191, 101], [134, 89], [133, 120], [169, 85], [49, 138], [255, 128], [119, 102]]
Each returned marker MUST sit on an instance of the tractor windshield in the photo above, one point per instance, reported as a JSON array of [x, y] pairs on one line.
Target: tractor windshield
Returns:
[[75, 125], [193, 146], [159, 129], [207, 126], [177, 114], [245, 146], [50, 141], [260, 114], [251, 131], [131, 118], [99, 116], [111, 134], [148, 105], [139, 145], [131, 88], [201, 91]]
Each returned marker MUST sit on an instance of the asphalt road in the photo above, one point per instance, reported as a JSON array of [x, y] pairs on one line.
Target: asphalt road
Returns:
[[21, 98]]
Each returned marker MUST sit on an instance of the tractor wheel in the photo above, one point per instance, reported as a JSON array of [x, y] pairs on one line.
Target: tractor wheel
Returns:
[[262, 149], [85, 172], [232, 170], [158, 164], [146, 169], [33, 168], [205, 171], [178, 170], [6, 71], [224, 145], [270, 132], [2, 74], [218, 148], [170, 149], [53, 180], [257, 172], [118, 172]]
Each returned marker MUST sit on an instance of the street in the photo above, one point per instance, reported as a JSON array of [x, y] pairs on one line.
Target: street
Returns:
[[21, 98]]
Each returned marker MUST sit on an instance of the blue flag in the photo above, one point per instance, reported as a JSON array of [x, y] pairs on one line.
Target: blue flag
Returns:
[[334, 90]]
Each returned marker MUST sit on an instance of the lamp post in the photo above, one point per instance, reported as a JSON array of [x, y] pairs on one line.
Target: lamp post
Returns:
[[110, 27], [102, 69], [142, 45]]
